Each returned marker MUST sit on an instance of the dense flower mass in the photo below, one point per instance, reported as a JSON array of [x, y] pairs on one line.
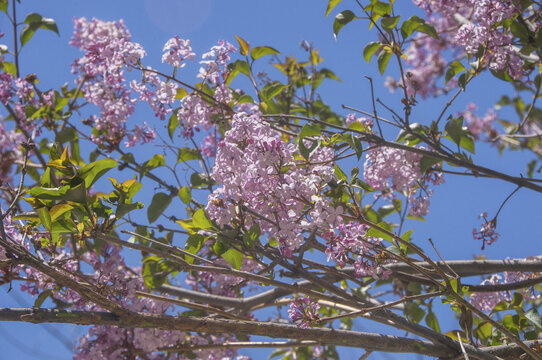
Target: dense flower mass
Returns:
[[397, 170], [486, 301], [176, 51], [487, 232], [350, 245], [273, 189], [108, 50], [303, 311], [464, 27]]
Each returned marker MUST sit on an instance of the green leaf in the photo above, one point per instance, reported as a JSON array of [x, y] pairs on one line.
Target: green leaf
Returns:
[[239, 66], [234, 258], [45, 217], [341, 20], [340, 174], [271, 90], [389, 23], [188, 154], [534, 317], [427, 162], [432, 321], [370, 50], [454, 128], [414, 312], [34, 22], [379, 8], [198, 181], [260, 51], [154, 162], [93, 171], [429, 30], [409, 26], [200, 220], [4, 5], [159, 203], [243, 45], [185, 195], [252, 236], [455, 68], [41, 298], [173, 124], [383, 59], [59, 210], [330, 5], [9, 68]]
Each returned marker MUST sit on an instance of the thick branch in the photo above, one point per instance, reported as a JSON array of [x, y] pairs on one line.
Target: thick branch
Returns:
[[368, 341]]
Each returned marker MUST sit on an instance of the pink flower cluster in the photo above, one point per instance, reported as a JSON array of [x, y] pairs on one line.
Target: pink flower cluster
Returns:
[[176, 51], [273, 189], [464, 27], [487, 232], [486, 301], [108, 50], [397, 170], [350, 239], [480, 126], [196, 110], [304, 311], [10, 150]]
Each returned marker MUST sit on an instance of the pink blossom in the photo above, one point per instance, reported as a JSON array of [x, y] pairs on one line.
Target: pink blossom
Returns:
[[176, 51], [304, 311]]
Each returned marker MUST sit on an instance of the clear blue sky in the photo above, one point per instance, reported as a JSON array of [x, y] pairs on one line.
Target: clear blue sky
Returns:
[[282, 24]]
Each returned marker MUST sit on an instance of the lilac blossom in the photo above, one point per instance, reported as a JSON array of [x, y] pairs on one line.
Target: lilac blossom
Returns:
[[176, 51], [303, 311], [272, 184], [348, 242], [487, 232], [480, 127], [108, 51], [486, 301]]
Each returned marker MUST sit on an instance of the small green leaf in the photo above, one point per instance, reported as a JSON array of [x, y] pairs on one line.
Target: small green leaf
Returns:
[[159, 204], [260, 51], [234, 258], [427, 162], [455, 68], [428, 29], [244, 46], [389, 23], [330, 5], [432, 321], [4, 5], [534, 317], [42, 297], [173, 124], [383, 59], [341, 20], [34, 22], [454, 128], [45, 217], [201, 220], [185, 195], [93, 171], [187, 154], [370, 50], [59, 210], [252, 236]]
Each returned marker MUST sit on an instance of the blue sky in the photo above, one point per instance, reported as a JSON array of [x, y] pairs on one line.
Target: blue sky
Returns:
[[283, 24]]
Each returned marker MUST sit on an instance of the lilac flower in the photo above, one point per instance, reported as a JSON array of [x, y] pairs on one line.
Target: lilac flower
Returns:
[[487, 232], [304, 311], [176, 51]]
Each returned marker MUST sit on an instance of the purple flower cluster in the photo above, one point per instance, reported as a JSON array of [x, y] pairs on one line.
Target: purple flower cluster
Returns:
[[487, 232], [176, 51], [10, 150], [350, 239], [480, 126], [389, 169], [304, 311], [273, 189], [486, 301], [464, 27], [108, 50]]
